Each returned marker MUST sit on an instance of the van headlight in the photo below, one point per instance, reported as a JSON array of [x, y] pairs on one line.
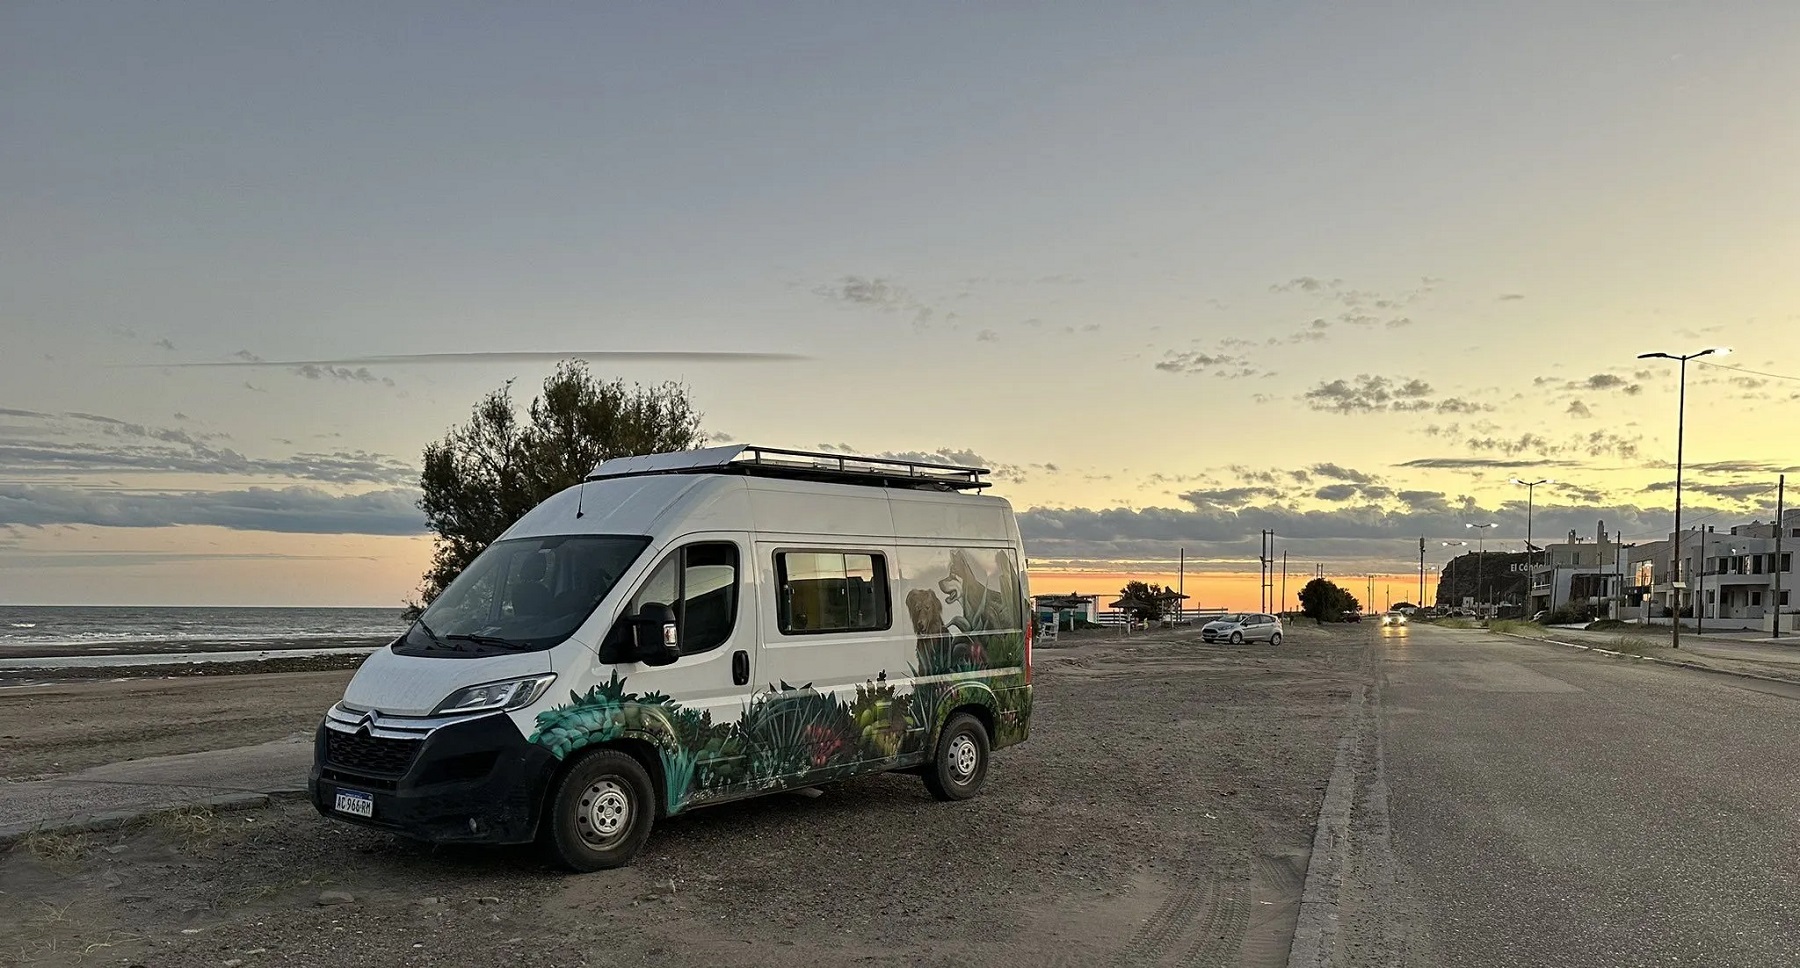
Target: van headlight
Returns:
[[489, 696]]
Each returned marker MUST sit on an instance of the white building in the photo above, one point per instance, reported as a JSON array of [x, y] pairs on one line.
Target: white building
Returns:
[[1741, 576], [1590, 573]]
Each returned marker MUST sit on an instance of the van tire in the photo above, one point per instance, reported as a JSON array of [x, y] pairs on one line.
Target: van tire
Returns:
[[600, 812], [960, 765]]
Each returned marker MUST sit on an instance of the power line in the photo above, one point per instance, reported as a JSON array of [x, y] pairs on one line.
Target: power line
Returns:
[[1703, 517], [1772, 376]]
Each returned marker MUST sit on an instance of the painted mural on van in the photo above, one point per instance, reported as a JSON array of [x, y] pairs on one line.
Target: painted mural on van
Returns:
[[967, 612]]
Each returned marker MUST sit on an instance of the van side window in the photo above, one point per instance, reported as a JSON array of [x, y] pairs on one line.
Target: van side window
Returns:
[[831, 591], [700, 582]]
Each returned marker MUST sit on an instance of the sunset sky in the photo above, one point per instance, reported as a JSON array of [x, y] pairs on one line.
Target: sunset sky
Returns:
[[1176, 272]]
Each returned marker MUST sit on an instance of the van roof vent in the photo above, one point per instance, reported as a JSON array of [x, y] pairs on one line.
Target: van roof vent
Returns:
[[753, 461]]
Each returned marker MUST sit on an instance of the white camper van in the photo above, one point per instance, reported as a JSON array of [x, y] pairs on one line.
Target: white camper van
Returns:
[[686, 629]]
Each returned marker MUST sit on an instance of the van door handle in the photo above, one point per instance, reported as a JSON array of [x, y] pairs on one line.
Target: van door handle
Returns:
[[740, 668]]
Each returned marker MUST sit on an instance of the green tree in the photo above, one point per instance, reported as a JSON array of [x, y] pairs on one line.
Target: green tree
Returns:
[[1145, 601], [1325, 601], [487, 473]]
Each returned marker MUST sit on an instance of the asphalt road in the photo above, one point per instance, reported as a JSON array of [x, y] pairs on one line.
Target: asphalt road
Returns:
[[1526, 804]]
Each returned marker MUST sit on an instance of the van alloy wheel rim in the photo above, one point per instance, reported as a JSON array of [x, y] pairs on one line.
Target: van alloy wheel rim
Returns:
[[963, 757], [605, 812]]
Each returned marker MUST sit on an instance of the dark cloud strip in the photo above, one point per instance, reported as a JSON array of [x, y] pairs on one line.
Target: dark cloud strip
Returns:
[[292, 510], [409, 359]]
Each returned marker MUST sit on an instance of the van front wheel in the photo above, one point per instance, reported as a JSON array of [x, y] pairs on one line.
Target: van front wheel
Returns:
[[601, 812], [960, 767]]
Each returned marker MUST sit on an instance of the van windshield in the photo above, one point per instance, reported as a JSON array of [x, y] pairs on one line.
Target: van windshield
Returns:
[[522, 595]]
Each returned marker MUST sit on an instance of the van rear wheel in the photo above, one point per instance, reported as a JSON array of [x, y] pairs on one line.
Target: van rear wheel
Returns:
[[601, 812], [960, 767]]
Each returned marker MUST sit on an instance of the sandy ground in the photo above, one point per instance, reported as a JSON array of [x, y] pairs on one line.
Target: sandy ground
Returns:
[[1162, 813], [69, 726]]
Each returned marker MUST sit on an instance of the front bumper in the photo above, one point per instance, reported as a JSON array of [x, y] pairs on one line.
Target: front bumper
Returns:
[[473, 781]]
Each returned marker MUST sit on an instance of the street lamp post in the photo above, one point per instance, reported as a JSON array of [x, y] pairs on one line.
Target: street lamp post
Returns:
[[1680, 430], [1531, 576], [1481, 564], [1455, 597]]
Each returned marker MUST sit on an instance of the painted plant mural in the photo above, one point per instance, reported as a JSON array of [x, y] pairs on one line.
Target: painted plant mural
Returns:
[[967, 624]]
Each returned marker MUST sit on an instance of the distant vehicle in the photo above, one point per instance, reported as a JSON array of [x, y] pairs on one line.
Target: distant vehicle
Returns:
[[1238, 629], [1393, 618], [1352, 616]]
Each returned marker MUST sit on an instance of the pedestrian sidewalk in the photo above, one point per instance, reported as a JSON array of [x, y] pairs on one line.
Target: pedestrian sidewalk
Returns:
[[1719, 652], [118, 793]]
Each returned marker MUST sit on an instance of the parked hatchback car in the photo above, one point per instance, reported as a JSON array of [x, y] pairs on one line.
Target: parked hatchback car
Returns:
[[1238, 629]]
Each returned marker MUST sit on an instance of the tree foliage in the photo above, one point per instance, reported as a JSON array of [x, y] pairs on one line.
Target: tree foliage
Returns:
[[487, 473], [1325, 601]]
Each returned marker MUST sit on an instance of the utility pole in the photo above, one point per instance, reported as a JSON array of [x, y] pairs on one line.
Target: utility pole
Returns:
[[1284, 598], [1699, 596], [1181, 585], [1599, 562], [1421, 601], [1780, 502]]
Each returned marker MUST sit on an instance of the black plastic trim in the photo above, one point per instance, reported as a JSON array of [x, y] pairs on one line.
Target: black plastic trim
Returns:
[[472, 782]]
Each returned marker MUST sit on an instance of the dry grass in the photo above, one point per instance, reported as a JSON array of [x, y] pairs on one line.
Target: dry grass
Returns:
[[187, 823], [58, 851]]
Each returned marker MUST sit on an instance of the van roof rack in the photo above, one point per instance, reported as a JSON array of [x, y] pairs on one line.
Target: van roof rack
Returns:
[[753, 461]]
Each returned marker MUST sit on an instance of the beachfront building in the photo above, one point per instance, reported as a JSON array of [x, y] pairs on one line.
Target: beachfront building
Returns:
[[1064, 611], [1587, 573], [1739, 577]]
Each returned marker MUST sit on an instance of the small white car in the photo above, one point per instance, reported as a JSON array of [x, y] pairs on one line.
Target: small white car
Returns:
[[1238, 629], [1393, 618]]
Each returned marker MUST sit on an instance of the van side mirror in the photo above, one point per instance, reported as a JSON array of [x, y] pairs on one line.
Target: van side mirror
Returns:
[[654, 637]]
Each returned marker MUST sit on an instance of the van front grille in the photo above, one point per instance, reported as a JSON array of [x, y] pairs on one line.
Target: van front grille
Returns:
[[376, 755]]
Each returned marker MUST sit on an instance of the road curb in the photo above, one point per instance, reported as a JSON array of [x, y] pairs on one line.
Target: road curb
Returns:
[[1672, 663], [1316, 926], [11, 834]]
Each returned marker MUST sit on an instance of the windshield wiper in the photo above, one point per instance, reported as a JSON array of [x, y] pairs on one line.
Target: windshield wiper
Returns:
[[435, 640], [491, 640]]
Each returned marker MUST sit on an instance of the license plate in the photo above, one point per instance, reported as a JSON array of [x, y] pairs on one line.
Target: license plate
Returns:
[[355, 804]]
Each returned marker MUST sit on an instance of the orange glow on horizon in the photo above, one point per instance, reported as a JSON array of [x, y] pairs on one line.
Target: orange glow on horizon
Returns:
[[1230, 590]]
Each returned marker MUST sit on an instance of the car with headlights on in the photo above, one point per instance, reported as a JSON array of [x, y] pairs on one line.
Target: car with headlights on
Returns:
[[1395, 619]]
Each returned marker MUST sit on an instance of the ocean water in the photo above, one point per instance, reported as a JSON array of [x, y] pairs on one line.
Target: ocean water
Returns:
[[128, 625]]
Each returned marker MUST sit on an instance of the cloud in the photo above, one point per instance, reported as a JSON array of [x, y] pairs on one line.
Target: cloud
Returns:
[[1337, 492], [295, 510], [987, 336], [1579, 410], [1220, 365], [340, 374], [1363, 538], [1464, 463], [36, 445], [1510, 296], [1231, 496], [24, 560], [243, 358], [1741, 491], [165, 344], [1606, 381], [956, 456], [878, 294], [1338, 473], [1380, 394]]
